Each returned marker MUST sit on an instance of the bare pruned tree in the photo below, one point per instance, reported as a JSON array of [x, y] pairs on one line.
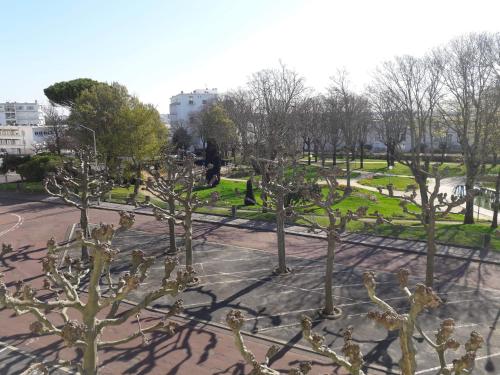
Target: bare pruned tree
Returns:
[[337, 224], [406, 323], [178, 187], [86, 331], [437, 207], [78, 185]]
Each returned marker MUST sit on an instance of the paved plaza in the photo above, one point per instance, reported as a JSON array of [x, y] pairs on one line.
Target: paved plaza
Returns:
[[233, 277], [234, 266]]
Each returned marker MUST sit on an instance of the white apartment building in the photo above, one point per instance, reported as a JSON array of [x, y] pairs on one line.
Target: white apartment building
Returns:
[[21, 114], [184, 105], [15, 140], [22, 140]]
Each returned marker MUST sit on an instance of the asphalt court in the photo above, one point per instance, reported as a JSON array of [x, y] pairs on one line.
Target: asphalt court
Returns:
[[233, 277]]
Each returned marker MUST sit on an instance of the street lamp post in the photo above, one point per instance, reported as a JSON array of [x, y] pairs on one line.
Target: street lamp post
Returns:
[[95, 147]]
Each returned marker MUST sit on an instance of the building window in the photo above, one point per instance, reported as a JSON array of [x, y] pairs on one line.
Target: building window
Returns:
[[20, 108], [204, 101], [30, 108], [191, 101]]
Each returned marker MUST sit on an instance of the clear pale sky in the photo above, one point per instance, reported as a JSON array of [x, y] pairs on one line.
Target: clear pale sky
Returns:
[[158, 48]]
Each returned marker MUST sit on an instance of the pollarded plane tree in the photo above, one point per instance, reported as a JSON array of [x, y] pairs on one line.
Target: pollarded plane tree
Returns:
[[351, 360], [438, 206], [78, 185], [406, 324], [177, 188], [282, 182], [337, 224], [420, 299], [65, 300]]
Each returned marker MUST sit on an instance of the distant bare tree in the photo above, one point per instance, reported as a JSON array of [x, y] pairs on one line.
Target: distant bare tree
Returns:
[[352, 110], [412, 86], [57, 123], [333, 128], [238, 106], [470, 101], [276, 93], [390, 124]]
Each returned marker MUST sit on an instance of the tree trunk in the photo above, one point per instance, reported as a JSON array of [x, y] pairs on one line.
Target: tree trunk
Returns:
[[315, 152], [334, 156], [188, 238], [330, 257], [84, 227], [387, 156], [137, 181], [431, 250], [171, 227], [309, 152], [89, 318], [348, 169], [361, 154], [421, 180], [496, 203], [280, 234], [407, 363], [469, 203]]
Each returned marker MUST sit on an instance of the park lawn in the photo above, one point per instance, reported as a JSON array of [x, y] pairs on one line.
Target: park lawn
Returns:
[[312, 171], [389, 207], [400, 183], [27, 187], [458, 234]]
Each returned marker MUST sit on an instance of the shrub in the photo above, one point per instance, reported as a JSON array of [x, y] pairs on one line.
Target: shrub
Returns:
[[11, 162], [38, 166]]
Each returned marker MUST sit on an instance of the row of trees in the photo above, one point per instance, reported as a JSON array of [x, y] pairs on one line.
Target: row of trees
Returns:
[[175, 183], [414, 105]]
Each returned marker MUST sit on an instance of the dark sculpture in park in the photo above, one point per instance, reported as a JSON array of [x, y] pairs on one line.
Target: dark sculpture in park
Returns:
[[213, 163], [249, 195]]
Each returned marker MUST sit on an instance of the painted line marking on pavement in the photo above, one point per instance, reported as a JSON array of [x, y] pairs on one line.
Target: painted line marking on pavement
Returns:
[[477, 359], [34, 357], [20, 221], [279, 314]]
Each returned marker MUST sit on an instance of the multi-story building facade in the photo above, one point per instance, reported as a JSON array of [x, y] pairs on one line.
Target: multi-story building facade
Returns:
[[21, 114], [22, 128], [184, 106], [15, 140]]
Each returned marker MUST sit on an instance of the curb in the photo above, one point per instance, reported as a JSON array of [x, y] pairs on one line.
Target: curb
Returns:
[[312, 235], [317, 236]]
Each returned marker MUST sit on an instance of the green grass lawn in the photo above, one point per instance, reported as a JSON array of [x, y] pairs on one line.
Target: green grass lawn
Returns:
[[470, 235], [27, 187], [389, 207], [380, 166], [400, 183], [458, 234]]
